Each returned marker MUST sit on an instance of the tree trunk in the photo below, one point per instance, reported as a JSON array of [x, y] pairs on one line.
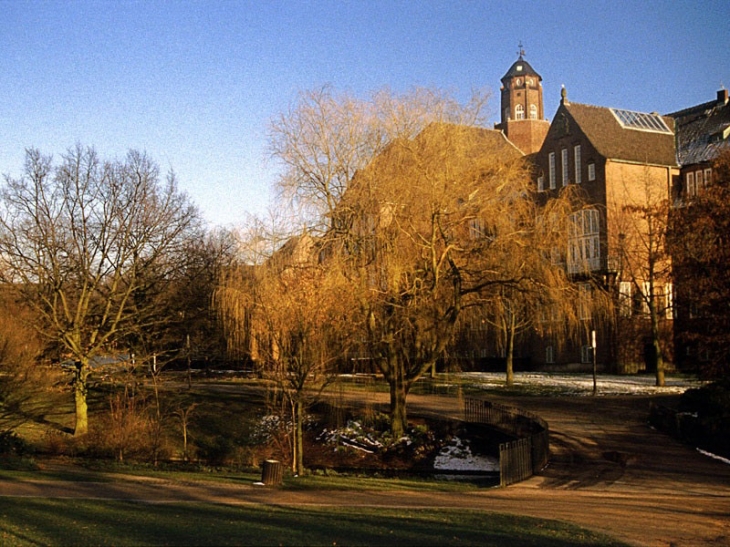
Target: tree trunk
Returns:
[[657, 347], [298, 459], [81, 389], [510, 380], [398, 416]]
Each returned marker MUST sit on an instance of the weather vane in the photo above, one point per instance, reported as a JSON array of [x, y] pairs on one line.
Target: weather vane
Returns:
[[521, 51]]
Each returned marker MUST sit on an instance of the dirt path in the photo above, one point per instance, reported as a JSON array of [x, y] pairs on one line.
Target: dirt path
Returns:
[[609, 472]]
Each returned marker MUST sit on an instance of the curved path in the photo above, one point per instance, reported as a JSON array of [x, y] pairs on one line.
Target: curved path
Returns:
[[609, 472]]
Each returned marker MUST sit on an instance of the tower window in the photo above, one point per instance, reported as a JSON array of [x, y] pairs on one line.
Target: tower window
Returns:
[[533, 112], [519, 112]]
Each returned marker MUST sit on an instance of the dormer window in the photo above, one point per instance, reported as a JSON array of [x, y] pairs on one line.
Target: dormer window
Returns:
[[519, 68]]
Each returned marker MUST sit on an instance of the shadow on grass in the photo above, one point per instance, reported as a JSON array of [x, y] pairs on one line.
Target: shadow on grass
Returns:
[[66, 522]]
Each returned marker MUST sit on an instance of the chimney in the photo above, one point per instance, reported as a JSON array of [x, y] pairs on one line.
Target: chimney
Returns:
[[722, 97]]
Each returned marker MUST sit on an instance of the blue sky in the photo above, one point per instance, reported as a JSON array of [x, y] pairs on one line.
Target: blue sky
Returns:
[[195, 83]]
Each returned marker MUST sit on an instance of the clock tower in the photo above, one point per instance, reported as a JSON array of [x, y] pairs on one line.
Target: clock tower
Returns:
[[522, 117]]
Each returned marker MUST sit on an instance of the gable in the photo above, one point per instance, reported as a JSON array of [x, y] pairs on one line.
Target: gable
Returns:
[[621, 135]]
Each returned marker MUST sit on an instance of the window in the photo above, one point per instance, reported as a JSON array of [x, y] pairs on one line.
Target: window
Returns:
[[690, 184], [549, 354], [698, 182], [541, 183], [477, 229], [584, 246], [533, 112], [552, 170], [625, 305], [585, 297], [564, 158], [591, 171], [668, 301], [576, 160], [708, 177], [646, 296], [586, 354], [640, 120], [519, 112]]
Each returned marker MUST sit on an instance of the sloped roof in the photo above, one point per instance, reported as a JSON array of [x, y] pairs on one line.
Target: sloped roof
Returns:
[[620, 143], [703, 131], [476, 138], [520, 68]]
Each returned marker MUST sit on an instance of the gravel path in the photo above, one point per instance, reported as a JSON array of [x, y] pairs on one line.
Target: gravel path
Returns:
[[609, 472]]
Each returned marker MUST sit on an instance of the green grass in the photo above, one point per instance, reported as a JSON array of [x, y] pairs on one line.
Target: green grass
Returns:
[[34, 521]]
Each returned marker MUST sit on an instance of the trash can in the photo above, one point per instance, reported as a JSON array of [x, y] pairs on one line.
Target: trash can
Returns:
[[272, 473]]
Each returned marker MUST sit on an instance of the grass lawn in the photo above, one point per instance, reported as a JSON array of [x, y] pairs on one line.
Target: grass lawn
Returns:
[[36, 521]]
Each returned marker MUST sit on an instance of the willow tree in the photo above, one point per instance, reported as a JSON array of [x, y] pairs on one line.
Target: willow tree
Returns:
[[544, 302], [289, 312], [79, 240], [436, 224], [426, 212]]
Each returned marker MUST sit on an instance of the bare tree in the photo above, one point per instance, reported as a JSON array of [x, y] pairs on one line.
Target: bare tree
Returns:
[[325, 138], [80, 240], [641, 220]]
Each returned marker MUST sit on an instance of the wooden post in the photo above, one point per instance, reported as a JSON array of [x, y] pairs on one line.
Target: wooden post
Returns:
[[272, 473], [593, 348]]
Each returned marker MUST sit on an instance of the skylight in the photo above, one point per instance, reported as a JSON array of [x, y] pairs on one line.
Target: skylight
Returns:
[[640, 121]]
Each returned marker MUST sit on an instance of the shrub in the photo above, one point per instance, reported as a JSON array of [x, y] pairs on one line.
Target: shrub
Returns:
[[708, 412], [12, 445]]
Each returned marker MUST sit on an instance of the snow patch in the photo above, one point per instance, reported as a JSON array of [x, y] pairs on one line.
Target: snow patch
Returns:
[[713, 456], [551, 383], [457, 456]]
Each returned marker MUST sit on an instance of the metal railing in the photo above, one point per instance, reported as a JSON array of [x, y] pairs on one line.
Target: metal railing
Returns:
[[528, 453]]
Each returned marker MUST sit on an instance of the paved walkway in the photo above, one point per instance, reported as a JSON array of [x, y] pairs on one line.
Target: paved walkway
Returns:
[[609, 472]]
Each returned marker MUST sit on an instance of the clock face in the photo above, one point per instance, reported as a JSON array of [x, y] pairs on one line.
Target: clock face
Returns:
[[529, 81], [519, 81]]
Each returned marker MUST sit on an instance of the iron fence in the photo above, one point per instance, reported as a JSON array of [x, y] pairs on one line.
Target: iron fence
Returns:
[[528, 453]]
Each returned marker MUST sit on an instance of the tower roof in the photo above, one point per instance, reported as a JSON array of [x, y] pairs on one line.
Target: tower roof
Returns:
[[520, 68]]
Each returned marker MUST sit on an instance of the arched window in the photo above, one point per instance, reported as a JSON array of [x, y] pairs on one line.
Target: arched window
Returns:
[[519, 112], [533, 112]]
